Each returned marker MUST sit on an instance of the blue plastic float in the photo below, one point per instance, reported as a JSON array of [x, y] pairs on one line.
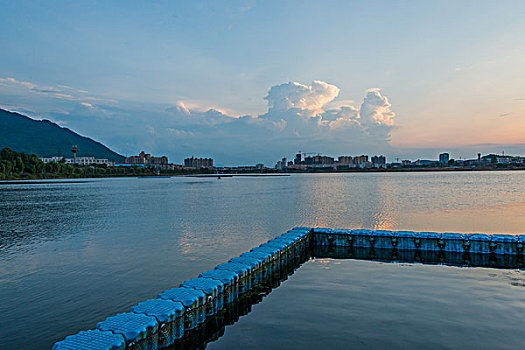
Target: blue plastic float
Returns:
[[161, 321], [92, 340], [169, 314], [135, 328], [194, 303]]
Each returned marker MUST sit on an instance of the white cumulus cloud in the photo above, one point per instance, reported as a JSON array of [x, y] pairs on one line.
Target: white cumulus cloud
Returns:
[[375, 109], [295, 95], [299, 116]]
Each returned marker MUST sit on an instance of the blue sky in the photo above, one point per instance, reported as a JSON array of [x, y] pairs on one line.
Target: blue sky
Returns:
[[412, 77]]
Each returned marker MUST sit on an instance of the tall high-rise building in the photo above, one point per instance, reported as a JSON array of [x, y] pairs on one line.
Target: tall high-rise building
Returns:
[[444, 158], [345, 160], [379, 161], [323, 160], [360, 159], [298, 159]]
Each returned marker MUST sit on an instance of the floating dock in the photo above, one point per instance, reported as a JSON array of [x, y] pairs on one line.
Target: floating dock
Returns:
[[197, 311]]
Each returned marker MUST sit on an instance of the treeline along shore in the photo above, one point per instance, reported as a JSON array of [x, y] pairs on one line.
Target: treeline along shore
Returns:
[[17, 166]]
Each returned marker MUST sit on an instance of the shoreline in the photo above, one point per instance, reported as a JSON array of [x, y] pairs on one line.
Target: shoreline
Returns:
[[402, 170], [267, 173]]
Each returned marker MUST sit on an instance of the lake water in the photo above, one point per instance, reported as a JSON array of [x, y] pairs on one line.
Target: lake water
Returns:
[[353, 304], [73, 253]]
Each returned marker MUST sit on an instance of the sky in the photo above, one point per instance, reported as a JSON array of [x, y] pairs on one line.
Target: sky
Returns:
[[249, 82]]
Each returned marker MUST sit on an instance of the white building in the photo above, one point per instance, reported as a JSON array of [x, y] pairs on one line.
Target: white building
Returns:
[[80, 160], [55, 159]]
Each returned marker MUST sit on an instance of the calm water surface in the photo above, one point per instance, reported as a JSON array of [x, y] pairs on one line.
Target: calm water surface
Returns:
[[72, 254], [352, 304]]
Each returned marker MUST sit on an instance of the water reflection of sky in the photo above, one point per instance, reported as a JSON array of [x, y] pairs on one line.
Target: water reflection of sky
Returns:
[[355, 304], [456, 202], [74, 253]]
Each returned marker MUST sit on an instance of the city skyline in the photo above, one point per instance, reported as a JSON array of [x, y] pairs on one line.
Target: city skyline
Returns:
[[245, 81]]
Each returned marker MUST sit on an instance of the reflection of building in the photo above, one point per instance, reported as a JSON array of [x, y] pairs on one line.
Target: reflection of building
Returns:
[[444, 158], [198, 162], [147, 159]]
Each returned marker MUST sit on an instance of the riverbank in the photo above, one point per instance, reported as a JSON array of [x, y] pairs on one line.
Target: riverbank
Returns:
[[66, 177], [258, 173], [398, 170]]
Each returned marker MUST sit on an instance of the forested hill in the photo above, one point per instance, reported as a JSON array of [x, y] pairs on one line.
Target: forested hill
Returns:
[[46, 139]]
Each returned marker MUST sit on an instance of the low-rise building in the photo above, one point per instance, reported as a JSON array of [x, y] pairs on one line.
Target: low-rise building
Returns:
[[79, 160], [148, 160], [89, 161], [425, 162], [55, 159], [319, 160], [198, 162]]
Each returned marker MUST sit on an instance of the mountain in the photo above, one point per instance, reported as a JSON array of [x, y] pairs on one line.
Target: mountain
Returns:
[[46, 139]]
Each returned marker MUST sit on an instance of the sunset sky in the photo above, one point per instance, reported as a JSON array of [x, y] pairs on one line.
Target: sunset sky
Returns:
[[252, 81]]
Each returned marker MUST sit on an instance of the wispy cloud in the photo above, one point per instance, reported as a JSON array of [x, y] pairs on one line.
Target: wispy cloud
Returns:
[[203, 106], [60, 92]]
